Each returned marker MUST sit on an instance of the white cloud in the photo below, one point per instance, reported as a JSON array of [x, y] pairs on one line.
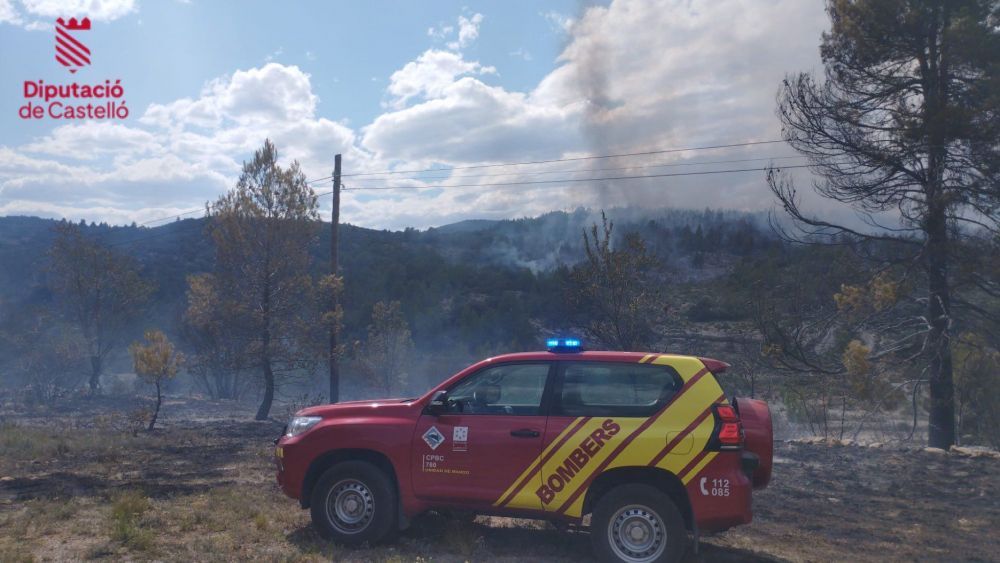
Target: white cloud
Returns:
[[8, 13], [88, 141], [440, 32], [25, 13], [272, 56], [468, 31], [97, 10], [429, 75], [521, 53], [274, 92], [634, 75], [561, 23], [468, 121], [177, 155]]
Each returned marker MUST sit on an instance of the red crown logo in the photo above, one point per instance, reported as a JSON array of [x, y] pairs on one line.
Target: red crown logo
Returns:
[[70, 51], [83, 25]]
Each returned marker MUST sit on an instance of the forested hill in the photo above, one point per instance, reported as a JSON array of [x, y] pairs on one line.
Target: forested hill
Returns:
[[486, 283]]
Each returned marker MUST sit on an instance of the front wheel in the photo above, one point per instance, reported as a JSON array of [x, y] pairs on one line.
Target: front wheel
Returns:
[[637, 524], [354, 502]]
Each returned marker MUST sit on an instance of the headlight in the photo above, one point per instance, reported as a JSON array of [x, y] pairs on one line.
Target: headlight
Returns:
[[300, 424]]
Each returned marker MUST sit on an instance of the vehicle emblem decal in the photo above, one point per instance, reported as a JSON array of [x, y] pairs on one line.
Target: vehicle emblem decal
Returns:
[[433, 437], [460, 439]]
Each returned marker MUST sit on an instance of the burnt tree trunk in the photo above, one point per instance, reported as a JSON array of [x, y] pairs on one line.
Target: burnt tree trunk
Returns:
[[95, 373], [941, 419], [265, 403], [156, 412]]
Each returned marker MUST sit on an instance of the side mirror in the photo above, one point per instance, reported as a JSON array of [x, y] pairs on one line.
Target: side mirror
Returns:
[[438, 404]]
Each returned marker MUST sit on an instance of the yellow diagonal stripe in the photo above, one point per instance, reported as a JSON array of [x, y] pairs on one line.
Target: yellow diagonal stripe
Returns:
[[674, 463], [628, 425], [686, 366], [535, 463]]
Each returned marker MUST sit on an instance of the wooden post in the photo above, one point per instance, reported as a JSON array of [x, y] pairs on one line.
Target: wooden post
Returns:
[[334, 265]]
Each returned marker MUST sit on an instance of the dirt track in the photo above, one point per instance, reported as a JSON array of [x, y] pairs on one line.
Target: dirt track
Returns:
[[212, 497]]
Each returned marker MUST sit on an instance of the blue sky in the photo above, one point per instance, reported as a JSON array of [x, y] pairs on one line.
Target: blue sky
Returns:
[[167, 49], [400, 85]]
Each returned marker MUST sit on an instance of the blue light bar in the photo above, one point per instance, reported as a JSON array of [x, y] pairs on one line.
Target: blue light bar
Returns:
[[563, 344]]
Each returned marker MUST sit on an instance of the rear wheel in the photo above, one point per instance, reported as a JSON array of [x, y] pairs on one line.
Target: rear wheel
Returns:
[[354, 502], [637, 524]]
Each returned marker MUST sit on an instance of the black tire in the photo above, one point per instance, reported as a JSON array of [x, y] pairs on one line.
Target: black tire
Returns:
[[659, 533], [366, 498]]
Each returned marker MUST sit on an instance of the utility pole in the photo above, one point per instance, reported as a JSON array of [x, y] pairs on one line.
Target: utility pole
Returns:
[[334, 264]]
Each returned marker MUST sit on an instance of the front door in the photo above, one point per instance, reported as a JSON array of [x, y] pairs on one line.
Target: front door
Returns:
[[480, 451]]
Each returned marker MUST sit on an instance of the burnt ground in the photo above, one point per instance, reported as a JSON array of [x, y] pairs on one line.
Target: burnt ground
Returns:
[[81, 486]]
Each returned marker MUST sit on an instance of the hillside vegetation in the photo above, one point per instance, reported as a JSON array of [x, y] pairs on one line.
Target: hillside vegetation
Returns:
[[818, 330], [466, 289]]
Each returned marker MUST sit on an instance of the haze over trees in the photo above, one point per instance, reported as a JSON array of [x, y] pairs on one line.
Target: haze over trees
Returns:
[[903, 126], [614, 290], [385, 355], [217, 361], [101, 292]]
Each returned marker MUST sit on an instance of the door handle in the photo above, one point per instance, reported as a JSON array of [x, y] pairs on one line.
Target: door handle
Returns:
[[525, 433]]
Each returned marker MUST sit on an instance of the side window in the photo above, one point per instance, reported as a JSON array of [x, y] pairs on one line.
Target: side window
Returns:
[[514, 389], [615, 389]]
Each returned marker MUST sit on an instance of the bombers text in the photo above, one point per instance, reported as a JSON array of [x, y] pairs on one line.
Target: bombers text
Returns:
[[576, 460]]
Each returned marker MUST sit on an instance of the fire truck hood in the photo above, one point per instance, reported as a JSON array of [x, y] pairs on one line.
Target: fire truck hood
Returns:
[[356, 408]]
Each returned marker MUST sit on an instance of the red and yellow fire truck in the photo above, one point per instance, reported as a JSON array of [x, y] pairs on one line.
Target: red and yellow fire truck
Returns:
[[647, 444]]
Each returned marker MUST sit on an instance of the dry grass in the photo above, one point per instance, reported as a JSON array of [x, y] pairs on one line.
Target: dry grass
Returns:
[[127, 525], [203, 490]]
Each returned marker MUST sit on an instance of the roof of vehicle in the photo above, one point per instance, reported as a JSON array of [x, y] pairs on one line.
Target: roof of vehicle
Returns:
[[601, 356]]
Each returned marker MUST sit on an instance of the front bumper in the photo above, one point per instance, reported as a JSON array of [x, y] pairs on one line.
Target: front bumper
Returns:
[[287, 472]]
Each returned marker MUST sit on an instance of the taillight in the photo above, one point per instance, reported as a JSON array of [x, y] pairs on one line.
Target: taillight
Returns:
[[728, 431], [727, 413]]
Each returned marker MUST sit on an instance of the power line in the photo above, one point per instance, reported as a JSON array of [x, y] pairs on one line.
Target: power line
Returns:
[[570, 181], [578, 170], [319, 180], [527, 182], [666, 165], [573, 159], [169, 217]]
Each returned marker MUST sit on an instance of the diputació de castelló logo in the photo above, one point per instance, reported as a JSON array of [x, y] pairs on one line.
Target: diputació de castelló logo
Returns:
[[100, 100], [70, 51]]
